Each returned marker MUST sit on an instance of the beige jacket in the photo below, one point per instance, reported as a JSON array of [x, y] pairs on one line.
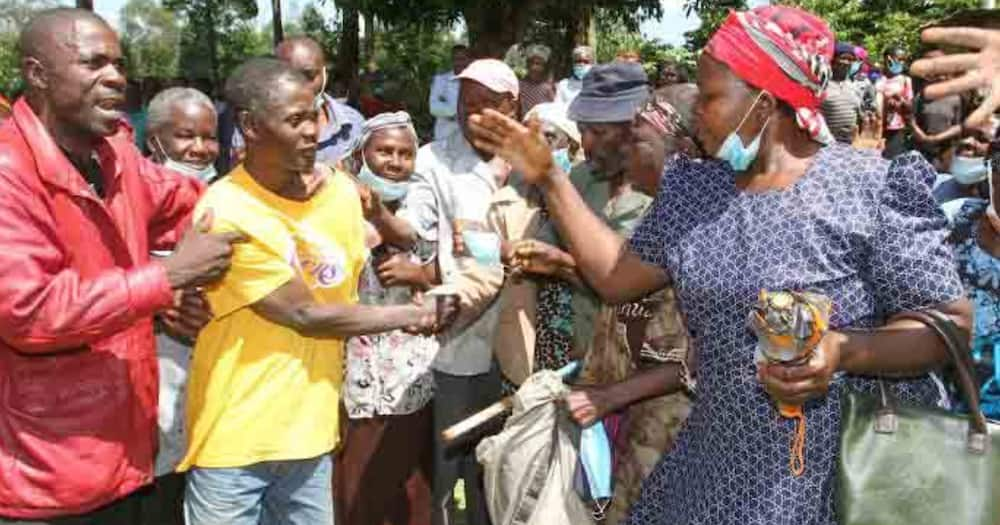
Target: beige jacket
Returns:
[[515, 217]]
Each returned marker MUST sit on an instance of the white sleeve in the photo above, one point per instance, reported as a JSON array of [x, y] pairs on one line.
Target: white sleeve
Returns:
[[441, 104]]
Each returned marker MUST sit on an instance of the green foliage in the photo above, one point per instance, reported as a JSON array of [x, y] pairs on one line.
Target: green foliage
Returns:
[[216, 33], [315, 26], [14, 14], [712, 13], [151, 38], [409, 57], [878, 24], [875, 24], [10, 75], [613, 37]]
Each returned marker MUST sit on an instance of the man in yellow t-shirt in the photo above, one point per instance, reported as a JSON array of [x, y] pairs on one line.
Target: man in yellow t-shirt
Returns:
[[265, 378]]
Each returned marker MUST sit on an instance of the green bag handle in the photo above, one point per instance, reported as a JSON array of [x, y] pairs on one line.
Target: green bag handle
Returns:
[[960, 353]]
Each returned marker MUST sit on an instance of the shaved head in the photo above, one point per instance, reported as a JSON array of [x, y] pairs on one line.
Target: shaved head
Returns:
[[307, 57], [290, 48], [74, 72], [54, 29]]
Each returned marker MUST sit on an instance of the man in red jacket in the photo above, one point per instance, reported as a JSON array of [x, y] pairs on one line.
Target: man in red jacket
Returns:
[[80, 209]]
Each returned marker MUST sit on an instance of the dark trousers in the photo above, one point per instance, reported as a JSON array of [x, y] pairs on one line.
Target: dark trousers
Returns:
[[156, 504], [384, 470], [456, 398]]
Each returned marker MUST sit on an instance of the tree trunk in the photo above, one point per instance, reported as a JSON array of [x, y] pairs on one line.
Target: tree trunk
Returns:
[[85, 4], [493, 28], [370, 32], [276, 24], [347, 54], [213, 51]]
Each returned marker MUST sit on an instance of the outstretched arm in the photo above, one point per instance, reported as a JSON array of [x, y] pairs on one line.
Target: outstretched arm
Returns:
[[292, 306], [617, 274]]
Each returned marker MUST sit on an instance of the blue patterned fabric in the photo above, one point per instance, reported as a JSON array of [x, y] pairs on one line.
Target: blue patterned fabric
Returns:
[[864, 232], [980, 272]]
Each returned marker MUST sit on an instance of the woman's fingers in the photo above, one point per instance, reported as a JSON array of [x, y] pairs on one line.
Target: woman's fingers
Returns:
[[985, 110], [969, 37], [947, 64], [489, 137], [972, 80]]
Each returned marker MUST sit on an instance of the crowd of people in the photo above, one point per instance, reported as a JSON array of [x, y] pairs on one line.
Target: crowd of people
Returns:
[[268, 308]]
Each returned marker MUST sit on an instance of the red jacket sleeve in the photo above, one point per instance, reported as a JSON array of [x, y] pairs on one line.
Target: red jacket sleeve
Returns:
[[47, 307], [173, 197]]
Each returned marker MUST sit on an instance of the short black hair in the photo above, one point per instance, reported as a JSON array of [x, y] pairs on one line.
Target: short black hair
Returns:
[[251, 86]]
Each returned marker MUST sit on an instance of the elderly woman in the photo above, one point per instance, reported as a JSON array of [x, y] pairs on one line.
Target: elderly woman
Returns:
[[560, 132], [181, 134], [776, 211], [384, 468], [537, 86]]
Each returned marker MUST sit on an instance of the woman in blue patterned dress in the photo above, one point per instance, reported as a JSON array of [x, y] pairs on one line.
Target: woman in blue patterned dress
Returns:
[[778, 211]]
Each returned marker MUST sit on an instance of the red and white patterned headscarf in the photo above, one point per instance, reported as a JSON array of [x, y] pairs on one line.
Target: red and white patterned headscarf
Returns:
[[784, 51]]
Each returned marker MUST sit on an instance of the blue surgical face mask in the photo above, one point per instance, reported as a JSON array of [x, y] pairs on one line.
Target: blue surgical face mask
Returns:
[[561, 158], [595, 458], [896, 68], [855, 67], [484, 247], [733, 151], [389, 191], [581, 70], [968, 170], [205, 173]]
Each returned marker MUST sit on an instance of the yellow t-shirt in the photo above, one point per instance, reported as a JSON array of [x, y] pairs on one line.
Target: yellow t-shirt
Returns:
[[259, 391]]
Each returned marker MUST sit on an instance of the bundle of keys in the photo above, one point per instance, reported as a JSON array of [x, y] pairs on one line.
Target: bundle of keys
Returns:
[[789, 326]]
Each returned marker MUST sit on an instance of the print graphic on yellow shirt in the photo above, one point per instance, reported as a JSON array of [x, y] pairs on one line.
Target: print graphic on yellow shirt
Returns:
[[259, 391]]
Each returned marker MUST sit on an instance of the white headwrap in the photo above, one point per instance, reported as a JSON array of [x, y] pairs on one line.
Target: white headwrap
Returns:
[[538, 50], [555, 113], [399, 119]]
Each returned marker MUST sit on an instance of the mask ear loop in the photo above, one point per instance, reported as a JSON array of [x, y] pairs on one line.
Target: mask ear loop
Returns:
[[747, 115], [163, 151]]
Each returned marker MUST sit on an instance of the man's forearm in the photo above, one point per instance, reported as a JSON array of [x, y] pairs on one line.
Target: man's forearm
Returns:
[[343, 321], [594, 247]]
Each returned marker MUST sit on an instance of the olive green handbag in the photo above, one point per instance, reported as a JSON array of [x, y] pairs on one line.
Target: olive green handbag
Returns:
[[913, 465]]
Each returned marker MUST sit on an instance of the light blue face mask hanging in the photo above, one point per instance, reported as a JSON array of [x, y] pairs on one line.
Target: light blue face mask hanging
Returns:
[[581, 70], [390, 191], [595, 460], [968, 170], [561, 158], [855, 67], [896, 68], [484, 247], [733, 151]]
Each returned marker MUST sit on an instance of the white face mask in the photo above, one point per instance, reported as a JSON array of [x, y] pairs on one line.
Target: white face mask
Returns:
[[203, 173]]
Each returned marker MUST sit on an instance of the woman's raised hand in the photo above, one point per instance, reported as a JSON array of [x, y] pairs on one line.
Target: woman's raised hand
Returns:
[[978, 69], [524, 147]]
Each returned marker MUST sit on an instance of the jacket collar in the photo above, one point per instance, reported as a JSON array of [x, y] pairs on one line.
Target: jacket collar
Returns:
[[51, 163]]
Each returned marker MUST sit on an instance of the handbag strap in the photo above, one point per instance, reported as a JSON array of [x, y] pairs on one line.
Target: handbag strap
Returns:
[[960, 354]]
